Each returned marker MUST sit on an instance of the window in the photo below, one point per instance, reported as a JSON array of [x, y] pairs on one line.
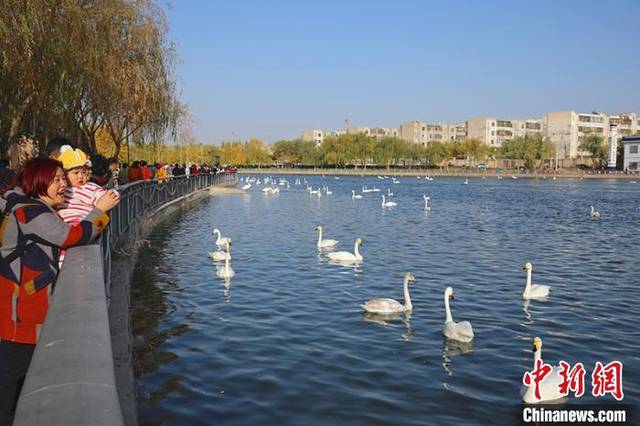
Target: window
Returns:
[[493, 132], [633, 149], [633, 165], [493, 124]]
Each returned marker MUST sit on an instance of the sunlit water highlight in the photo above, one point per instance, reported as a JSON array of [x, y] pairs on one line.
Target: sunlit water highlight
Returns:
[[285, 341]]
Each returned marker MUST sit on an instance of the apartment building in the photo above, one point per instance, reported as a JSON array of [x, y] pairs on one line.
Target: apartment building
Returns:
[[314, 135], [456, 132], [494, 132], [359, 130], [383, 132], [567, 129], [414, 131], [423, 133]]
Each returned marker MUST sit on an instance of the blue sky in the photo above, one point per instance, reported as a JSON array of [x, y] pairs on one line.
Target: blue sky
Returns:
[[270, 69]]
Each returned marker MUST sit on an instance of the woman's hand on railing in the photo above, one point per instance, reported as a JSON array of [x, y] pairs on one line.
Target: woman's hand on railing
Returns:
[[109, 200]]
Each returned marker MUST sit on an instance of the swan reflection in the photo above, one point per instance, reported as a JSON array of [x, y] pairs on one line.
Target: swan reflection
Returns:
[[451, 348], [527, 314], [226, 296], [392, 320], [355, 265]]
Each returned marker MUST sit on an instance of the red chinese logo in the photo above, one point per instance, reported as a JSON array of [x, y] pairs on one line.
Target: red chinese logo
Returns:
[[536, 376], [572, 379], [607, 379]]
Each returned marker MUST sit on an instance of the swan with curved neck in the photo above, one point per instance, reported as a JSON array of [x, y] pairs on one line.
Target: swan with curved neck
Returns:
[[221, 241], [324, 243], [345, 256], [548, 388], [220, 255], [533, 291], [226, 271], [388, 203], [426, 202], [392, 306], [460, 331], [355, 196], [594, 212]]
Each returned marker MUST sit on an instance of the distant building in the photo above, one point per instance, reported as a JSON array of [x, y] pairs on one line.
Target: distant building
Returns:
[[631, 153], [314, 135], [422, 133], [456, 132], [567, 129], [564, 129], [383, 132], [494, 132], [358, 130], [414, 131]]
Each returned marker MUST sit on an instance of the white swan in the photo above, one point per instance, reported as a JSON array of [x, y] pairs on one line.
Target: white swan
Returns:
[[533, 291], [461, 331], [466, 182], [345, 256], [324, 243], [389, 193], [220, 255], [355, 196], [388, 203], [391, 306], [220, 241], [246, 187], [426, 202], [594, 212], [226, 271], [548, 387]]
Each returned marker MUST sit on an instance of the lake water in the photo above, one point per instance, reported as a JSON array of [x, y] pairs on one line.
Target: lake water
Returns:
[[285, 341]]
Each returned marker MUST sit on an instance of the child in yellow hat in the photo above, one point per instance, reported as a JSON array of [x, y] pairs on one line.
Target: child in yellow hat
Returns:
[[81, 195]]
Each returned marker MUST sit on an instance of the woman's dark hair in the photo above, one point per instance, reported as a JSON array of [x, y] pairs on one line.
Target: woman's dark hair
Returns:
[[36, 176]]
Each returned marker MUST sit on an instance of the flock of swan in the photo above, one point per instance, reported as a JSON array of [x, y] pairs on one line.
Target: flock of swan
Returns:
[[456, 331]]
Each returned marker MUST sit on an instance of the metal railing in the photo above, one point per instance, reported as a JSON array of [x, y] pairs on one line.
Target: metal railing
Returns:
[[142, 197], [71, 379]]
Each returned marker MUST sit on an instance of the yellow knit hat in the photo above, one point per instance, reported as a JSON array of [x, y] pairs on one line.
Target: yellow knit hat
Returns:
[[72, 158]]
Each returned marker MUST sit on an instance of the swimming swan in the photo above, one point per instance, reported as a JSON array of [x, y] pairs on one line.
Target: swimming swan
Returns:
[[220, 241], [533, 291], [461, 331], [548, 387], [226, 271], [324, 243], [345, 256], [355, 196], [220, 255], [594, 212], [388, 203], [391, 306]]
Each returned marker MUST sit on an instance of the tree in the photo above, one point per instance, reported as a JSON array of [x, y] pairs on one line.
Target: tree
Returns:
[[75, 67], [256, 153], [593, 143]]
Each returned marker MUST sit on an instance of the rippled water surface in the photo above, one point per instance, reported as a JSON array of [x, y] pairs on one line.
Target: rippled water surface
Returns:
[[286, 342]]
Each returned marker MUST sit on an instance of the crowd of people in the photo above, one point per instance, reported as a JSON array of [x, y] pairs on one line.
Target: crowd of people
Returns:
[[50, 203]]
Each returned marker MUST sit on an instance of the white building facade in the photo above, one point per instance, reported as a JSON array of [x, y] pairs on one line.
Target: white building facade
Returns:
[[631, 153]]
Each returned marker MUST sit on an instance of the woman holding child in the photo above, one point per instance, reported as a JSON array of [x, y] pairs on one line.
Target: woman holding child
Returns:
[[32, 234]]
